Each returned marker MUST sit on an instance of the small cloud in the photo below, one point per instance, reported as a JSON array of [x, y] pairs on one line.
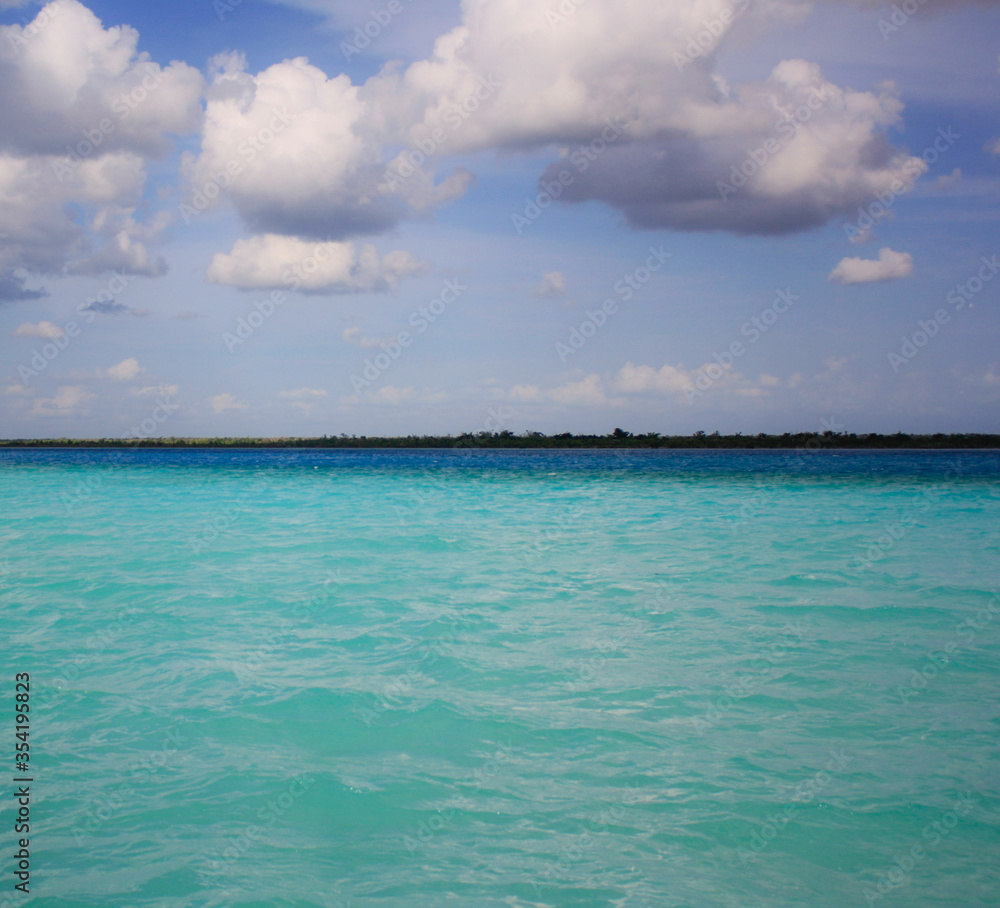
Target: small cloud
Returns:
[[126, 370], [525, 393], [187, 314], [888, 266], [632, 379], [63, 403], [992, 147], [222, 402], [106, 307], [302, 394], [355, 336], [12, 290], [165, 390], [553, 285], [586, 392], [949, 180], [392, 395], [44, 330]]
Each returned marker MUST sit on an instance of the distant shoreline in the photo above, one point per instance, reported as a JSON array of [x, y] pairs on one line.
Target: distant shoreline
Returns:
[[535, 440]]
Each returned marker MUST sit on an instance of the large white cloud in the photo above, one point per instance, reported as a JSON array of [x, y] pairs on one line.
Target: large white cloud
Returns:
[[82, 110], [272, 261], [66, 80], [300, 153], [643, 123]]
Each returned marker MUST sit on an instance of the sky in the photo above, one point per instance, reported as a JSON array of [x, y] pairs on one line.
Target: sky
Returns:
[[393, 217]]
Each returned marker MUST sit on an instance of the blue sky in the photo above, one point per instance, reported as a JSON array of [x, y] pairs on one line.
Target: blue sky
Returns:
[[240, 219]]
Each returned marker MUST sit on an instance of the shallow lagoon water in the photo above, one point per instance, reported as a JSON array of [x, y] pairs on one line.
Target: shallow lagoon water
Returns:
[[507, 678]]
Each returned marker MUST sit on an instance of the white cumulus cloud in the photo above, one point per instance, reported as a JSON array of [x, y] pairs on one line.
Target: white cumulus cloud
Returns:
[[273, 261], [222, 402], [43, 329], [888, 266]]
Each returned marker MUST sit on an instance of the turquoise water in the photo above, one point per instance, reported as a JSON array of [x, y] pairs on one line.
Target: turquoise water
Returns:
[[372, 678]]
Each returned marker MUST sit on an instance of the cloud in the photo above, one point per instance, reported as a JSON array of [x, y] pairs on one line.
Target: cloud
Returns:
[[304, 154], [887, 267], [220, 403], [798, 152], [161, 389], [393, 395], [587, 392], [553, 285], [12, 289], [302, 394], [107, 307], [525, 393], [64, 403], [644, 128], [43, 329], [125, 248], [65, 80], [640, 126], [946, 181], [355, 336], [70, 81], [632, 379], [272, 261], [42, 233], [126, 370]]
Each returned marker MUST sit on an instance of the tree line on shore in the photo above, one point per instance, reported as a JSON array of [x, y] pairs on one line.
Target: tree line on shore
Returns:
[[618, 438]]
